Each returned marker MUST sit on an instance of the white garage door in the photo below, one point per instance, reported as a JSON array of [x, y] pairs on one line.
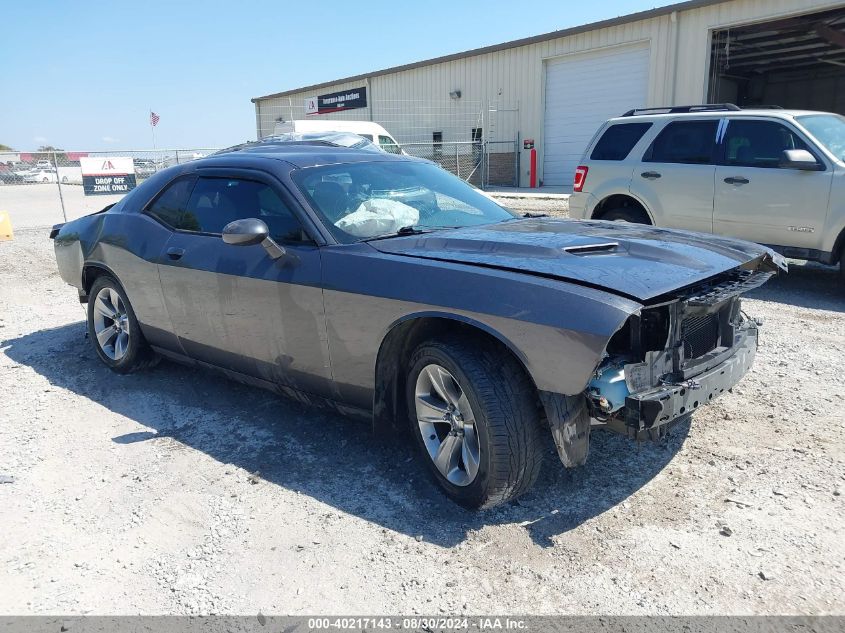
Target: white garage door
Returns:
[[582, 92]]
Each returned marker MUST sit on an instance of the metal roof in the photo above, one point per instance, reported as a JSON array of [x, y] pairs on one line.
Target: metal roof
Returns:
[[624, 19], [794, 43]]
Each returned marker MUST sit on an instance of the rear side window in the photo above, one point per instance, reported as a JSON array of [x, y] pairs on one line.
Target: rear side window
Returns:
[[169, 207], [618, 141], [684, 142], [758, 143]]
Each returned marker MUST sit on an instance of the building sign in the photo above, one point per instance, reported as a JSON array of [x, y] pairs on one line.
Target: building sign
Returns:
[[107, 175], [337, 101]]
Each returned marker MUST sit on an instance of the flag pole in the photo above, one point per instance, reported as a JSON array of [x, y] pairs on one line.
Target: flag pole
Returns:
[[152, 129]]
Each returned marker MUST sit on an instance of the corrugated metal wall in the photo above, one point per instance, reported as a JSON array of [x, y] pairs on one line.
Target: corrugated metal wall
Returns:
[[413, 103]]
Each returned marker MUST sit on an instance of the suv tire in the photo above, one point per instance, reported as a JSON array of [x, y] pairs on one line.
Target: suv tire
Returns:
[[626, 214], [482, 441], [842, 264]]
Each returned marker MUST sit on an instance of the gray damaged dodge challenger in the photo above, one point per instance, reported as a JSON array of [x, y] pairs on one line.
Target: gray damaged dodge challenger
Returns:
[[382, 285]]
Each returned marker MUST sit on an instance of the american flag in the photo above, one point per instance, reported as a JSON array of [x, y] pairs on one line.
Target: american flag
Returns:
[[154, 118]]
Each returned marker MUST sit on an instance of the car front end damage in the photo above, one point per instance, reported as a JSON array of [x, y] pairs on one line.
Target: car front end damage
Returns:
[[675, 355]]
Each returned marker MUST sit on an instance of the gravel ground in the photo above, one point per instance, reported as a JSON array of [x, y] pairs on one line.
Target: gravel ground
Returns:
[[175, 491]]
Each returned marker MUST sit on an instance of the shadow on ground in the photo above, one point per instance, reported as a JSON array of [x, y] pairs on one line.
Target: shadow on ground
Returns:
[[338, 461], [806, 285]]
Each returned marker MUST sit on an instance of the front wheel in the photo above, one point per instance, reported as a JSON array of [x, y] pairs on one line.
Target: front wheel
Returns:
[[114, 330], [475, 419]]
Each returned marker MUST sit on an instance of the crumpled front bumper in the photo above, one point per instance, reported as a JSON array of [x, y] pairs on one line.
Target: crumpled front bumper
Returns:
[[648, 410]]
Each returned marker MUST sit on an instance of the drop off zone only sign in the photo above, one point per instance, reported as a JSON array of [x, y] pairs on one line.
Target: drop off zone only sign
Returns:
[[107, 175]]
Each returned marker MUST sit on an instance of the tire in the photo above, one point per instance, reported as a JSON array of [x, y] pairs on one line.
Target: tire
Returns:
[[842, 265], [122, 349], [504, 459], [64, 179], [45, 180], [627, 214]]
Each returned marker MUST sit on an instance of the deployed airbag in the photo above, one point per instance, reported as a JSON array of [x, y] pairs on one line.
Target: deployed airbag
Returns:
[[378, 216]]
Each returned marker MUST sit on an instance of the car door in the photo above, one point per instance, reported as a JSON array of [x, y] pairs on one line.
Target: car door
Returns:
[[236, 307], [675, 176], [758, 200]]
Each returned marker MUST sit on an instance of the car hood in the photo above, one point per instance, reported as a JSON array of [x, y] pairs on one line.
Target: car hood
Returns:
[[637, 261]]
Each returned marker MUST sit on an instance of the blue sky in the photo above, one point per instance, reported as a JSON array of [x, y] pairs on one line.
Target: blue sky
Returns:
[[84, 75]]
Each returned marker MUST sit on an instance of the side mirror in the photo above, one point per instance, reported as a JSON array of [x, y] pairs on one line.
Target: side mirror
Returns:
[[799, 159], [245, 232], [249, 232]]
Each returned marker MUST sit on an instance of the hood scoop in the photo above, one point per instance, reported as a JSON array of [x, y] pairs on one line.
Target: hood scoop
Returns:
[[592, 249]]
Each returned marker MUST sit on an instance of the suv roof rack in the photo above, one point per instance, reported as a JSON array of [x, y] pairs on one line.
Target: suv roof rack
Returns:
[[762, 107], [704, 107]]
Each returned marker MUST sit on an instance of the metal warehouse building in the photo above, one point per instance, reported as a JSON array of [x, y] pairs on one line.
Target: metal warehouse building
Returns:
[[477, 112]]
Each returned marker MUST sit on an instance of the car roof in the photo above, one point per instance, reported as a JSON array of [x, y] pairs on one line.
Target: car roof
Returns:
[[776, 113], [305, 154]]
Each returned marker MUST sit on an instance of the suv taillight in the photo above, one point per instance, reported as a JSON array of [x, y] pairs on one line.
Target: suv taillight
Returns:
[[580, 178]]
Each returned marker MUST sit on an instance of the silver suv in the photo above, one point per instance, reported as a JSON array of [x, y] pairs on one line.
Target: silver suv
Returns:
[[768, 175]]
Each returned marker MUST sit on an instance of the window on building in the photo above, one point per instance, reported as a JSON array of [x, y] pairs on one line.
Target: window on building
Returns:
[[684, 142], [437, 145], [758, 143], [618, 141]]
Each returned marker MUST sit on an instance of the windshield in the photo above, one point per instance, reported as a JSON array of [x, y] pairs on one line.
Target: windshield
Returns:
[[829, 129], [360, 201]]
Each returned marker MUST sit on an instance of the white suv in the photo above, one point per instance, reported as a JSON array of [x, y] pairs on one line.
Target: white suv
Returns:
[[768, 175]]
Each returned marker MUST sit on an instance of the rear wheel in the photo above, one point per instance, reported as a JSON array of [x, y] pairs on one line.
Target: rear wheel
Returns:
[[627, 214], [114, 330], [475, 420]]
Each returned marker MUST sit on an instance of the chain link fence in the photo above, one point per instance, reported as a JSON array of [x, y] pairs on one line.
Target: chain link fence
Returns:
[[40, 188], [475, 140]]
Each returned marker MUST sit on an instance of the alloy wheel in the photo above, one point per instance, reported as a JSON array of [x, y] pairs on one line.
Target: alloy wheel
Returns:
[[447, 425], [111, 323]]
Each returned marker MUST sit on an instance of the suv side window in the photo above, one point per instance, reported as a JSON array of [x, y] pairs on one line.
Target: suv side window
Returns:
[[758, 143], [684, 142], [215, 202], [618, 141], [169, 206]]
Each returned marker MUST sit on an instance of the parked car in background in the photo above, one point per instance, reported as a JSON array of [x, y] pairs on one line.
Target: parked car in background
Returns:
[[144, 167], [8, 176], [41, 175], [383, 285], [70, 174], [369, 130], [768, 175]]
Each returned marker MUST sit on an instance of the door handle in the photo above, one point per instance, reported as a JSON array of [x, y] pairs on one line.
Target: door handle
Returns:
[[650, 175], [175, 253], [736, 180]]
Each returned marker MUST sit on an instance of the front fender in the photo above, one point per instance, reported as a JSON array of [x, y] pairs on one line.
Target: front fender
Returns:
[[558, 330]]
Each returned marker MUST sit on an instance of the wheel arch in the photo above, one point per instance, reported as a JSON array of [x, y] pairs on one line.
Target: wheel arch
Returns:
[[838, 246], [404, 336], [90, 272], [616, 200]]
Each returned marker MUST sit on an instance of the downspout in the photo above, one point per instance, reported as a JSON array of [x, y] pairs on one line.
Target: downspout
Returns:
[[674, 18], [369, 99]]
